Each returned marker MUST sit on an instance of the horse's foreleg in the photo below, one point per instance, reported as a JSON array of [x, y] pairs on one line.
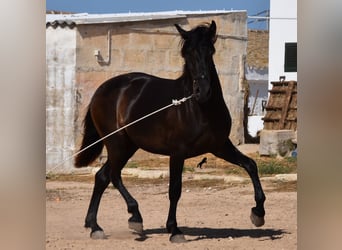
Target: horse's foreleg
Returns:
[[230, 153], [175, 190], [102, 180]]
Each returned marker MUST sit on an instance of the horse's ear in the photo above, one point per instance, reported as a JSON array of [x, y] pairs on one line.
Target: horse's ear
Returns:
[[182, 32], [212, 30]]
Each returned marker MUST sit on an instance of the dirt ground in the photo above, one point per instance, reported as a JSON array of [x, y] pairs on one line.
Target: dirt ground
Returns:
[[212, 215]]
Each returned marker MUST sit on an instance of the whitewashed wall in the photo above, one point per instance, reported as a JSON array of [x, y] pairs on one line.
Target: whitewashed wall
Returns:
[[283, 28], [60, 97]]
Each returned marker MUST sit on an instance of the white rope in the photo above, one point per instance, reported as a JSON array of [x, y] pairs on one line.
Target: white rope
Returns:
[[175, 102]]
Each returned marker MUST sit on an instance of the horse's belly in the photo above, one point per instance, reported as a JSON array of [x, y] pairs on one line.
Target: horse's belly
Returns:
[[165, 142]]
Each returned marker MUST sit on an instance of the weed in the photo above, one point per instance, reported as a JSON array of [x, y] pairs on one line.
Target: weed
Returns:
[[188, 169], [131, 164], [235, 171], [291, 160], [273, 167]]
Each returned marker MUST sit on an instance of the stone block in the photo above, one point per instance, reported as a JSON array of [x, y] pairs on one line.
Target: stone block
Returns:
[[276, 142]]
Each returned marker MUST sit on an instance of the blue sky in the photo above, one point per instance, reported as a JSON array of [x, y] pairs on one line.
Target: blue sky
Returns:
[[120, 6]]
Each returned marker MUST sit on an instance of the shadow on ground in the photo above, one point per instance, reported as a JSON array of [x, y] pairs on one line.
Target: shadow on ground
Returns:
[[220, 233]]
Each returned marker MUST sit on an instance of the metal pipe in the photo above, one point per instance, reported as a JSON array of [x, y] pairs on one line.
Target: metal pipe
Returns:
[[98, 55]]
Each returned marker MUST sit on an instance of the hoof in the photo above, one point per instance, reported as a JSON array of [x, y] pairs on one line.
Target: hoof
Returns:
[[98, 235], [136, 227], [178, 238], [257, 221]]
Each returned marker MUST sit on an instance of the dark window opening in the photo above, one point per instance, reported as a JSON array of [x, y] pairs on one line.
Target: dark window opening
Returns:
[[290, 57]]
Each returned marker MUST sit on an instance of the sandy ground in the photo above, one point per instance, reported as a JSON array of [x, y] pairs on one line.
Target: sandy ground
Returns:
[[211, 217]]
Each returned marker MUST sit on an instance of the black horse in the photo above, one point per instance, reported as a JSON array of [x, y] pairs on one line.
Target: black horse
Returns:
[[200, 125]]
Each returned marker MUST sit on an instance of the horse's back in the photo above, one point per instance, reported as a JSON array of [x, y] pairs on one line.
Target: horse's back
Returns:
[[135, 82], [127, 97]]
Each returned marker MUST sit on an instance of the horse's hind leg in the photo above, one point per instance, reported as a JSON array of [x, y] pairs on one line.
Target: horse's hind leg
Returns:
[[119, 157], [102, 179], [230, 153], [135, 222]]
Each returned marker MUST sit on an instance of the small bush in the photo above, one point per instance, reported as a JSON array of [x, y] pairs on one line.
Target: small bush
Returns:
[[188, 169], [273, 167], [132, 164]]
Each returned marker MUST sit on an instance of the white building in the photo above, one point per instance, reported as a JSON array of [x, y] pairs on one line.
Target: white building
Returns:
[[283, 40], [256, 74], [282, 60]]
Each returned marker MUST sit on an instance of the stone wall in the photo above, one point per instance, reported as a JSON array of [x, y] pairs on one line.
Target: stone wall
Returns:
[[257, 49]]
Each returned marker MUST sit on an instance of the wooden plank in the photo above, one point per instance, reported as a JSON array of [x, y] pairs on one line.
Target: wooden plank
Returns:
[[287, 100], [275, 91], [281, 108]]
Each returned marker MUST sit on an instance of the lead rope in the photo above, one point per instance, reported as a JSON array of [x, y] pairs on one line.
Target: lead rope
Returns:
[[175, 102]]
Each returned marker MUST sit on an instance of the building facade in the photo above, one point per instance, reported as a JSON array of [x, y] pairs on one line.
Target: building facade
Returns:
[[257, 78], [283, 40]]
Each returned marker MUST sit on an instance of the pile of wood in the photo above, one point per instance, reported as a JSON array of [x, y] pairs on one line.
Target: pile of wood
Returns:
[[281, 109]]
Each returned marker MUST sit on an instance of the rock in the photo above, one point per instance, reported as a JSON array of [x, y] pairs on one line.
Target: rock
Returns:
[[276, 142]]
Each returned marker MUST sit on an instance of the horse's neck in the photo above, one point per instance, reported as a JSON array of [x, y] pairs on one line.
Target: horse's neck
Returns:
[[186, 82], [216, 103], [217, 94], [215, 81]]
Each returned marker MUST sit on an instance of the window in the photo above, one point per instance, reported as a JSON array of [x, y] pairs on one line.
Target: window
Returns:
[[290, 57]]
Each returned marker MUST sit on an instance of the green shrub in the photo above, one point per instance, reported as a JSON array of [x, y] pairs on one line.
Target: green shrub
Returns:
[[273, 167]]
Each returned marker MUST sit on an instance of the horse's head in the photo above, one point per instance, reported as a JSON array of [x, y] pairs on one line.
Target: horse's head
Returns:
[[198, 50]]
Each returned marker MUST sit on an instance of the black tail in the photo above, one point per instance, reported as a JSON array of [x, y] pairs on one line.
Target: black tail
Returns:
[[86, 157]]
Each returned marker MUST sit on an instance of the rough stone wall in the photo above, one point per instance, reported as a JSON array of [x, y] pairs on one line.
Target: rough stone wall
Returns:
[[154, 47], [60, 97], [257, 49]]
